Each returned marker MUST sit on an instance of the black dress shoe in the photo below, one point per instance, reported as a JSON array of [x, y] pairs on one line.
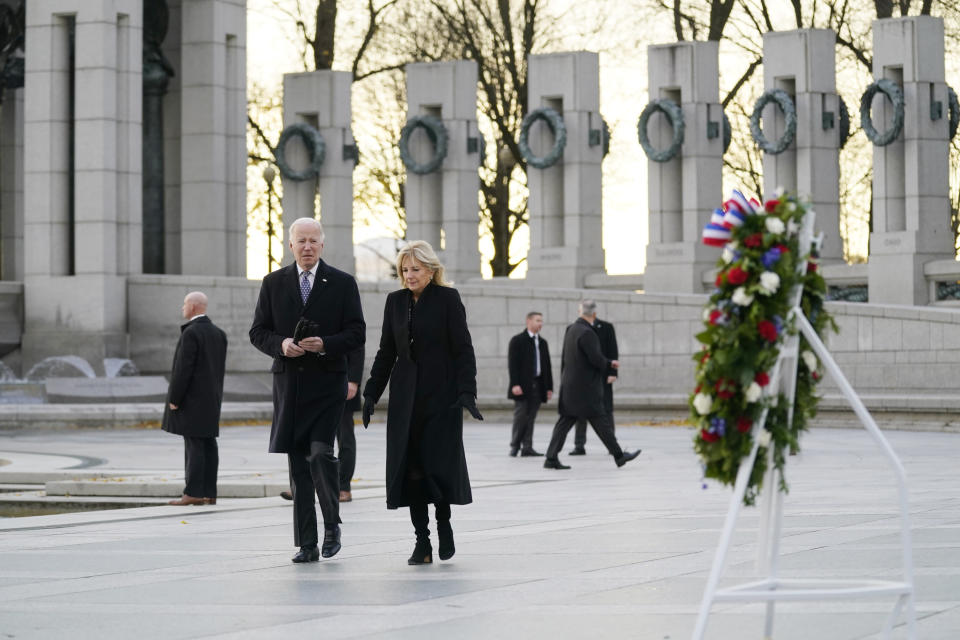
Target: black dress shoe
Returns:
[[286, 495], [445, 533], [528, 453], [331, 541], [554, 463], [578, 451], [307, 554], [422, 553], [627, 457], [514, 451]]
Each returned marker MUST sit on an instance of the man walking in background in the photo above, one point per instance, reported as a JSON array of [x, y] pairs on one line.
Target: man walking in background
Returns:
[[608, 346], [583, 369], [194, 398], [531, 382]]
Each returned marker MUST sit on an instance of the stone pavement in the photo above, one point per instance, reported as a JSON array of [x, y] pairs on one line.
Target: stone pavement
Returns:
[[595, 551]]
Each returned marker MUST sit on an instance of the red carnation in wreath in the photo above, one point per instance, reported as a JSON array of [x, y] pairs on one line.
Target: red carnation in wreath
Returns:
[[737, 276], [744, 424], [754, 240], [767, 330], [708, 437], [762, 378], [771, 205]]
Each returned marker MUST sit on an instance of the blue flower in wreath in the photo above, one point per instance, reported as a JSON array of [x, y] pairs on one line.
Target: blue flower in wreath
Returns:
[[771, 257], [778, 323], [718, 426]]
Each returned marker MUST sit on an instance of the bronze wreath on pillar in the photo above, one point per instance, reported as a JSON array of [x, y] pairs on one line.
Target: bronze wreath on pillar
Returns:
[[674, 113], [555, 122], [782, 99], [316, 147], [890, 89], [438, 136]]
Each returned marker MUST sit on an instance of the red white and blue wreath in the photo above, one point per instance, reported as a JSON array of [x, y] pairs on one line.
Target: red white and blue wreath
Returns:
[[745, 322]]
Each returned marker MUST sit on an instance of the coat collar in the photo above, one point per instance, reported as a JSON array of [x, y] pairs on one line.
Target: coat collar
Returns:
[[184, 326], [584, 323]]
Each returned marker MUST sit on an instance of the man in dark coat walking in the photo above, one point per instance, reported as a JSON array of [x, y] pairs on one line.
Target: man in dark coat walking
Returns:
[[608, 346], [583, 368], [531, 382], [194, 397], [308, 318]]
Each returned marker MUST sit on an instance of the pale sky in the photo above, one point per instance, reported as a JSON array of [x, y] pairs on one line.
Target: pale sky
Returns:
[[270, 53]]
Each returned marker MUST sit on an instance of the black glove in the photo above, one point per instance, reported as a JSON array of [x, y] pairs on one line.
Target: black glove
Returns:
[[368, 404], [468, 402]]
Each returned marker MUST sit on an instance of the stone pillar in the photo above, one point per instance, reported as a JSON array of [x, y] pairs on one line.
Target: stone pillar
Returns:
[[82, 182], [442, 207], [11, 185], [566, 215], [213, 158], [322, 100], [683, 191], [802, 63], [911, 208]]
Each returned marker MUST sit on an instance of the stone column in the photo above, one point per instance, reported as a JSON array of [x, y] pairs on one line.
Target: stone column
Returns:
[[566, 215], [82, 133], [442, 207], [683, 191], [11, 184], [322, 100], [213, 210], [911, 207], [802, 63]]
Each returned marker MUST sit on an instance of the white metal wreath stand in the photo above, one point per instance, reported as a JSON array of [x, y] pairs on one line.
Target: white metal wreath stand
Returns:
[[773, 588]]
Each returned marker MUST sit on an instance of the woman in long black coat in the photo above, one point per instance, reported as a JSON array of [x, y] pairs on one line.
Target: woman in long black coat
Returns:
[[427, 356]]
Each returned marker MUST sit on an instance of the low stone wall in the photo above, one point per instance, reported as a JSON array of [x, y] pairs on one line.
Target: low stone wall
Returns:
[[908, 355]]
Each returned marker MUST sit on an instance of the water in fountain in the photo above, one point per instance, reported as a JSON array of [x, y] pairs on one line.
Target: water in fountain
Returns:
[[119, 367], [6, 373], [61, 367]]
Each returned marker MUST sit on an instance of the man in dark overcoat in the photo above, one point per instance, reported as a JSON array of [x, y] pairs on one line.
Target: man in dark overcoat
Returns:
[[608, 346], [531, 382], [583, 368], [309, 376], [194, 397]]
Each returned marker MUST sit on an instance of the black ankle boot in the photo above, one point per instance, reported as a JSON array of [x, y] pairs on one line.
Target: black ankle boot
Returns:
[[445, 533], [422, 553]]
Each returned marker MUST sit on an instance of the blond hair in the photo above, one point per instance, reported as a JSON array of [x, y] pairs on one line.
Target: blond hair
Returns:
[[422, 252]]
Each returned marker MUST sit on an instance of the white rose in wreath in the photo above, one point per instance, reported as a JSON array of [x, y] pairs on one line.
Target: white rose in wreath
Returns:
[[769, 283], [774, 224], [764, 438], [728, 254], [753, 392], [741, 297], [702, 403], [810, 360]]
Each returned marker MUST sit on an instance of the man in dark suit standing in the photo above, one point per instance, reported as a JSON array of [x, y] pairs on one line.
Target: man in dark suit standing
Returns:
[[346, 438], [531, 382], [194, 397], [608, 346], [308, 318], [583, 369]]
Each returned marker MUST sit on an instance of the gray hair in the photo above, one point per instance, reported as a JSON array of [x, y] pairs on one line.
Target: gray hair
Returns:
[[588, 307], [301, 221]]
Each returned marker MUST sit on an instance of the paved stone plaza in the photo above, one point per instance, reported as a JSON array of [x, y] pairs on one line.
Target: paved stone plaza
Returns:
[[595, 551]]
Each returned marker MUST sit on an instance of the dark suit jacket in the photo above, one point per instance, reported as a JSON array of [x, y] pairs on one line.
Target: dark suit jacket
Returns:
[[355, 374], [608, 345], [520, 363], [583, 370], [425, 381], [196, 382], [309, 392]]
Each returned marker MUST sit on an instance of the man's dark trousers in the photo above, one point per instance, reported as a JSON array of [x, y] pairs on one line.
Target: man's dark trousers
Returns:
[[316, 471], [201, 459], [524, 415], [602, 425], [580, 432], [347, 441]]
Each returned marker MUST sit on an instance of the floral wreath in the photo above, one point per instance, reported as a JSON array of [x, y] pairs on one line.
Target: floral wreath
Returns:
[[746, 319]]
